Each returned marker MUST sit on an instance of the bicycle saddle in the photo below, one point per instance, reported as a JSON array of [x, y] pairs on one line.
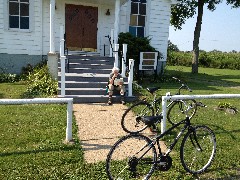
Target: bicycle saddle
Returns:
[[151, 119], [152, 89]]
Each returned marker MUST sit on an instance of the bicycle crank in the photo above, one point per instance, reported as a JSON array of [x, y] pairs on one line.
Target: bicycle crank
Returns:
[[164, 163]]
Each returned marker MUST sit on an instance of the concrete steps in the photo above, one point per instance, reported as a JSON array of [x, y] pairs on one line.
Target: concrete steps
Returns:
[[86, 79]]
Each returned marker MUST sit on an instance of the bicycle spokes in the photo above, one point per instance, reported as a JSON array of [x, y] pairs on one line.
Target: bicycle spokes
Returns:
[[198, 149], [132, 156]]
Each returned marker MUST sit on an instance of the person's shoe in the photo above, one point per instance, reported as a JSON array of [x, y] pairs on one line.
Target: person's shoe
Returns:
[[123, 102], [109, 102]]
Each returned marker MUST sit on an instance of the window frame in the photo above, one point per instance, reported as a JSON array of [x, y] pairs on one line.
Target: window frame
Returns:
[[138, 15], [30, 17]]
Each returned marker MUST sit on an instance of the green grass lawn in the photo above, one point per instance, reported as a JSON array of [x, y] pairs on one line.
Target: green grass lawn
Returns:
[[32, 136]]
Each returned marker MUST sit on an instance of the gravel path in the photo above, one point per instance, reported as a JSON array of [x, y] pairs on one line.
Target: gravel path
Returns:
[[99, 128]]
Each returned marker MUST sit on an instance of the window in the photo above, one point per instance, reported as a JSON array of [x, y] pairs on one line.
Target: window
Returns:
[[137, 18], [19, 14]]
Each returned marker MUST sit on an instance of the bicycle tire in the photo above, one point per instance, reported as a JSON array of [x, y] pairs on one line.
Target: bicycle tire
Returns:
[[131, 119], [132, 156], [176, 111], [198, 151]]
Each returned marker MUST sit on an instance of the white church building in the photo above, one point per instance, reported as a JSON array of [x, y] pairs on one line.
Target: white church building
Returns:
[[30, 29]]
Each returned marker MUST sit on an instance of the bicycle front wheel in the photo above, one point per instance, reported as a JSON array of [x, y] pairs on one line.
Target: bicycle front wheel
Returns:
[[132, 156], [177, 110], [198, 149], [131, 120]]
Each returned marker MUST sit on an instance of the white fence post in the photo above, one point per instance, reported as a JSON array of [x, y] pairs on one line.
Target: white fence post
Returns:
[[124, 60], [116, 47], [130, 77], [69, 102], [164, 113], [69, 121]]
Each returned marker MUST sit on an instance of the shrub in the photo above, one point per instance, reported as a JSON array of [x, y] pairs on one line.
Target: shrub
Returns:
[[214, 59], [135, 46], [40, 82], [8, 78]]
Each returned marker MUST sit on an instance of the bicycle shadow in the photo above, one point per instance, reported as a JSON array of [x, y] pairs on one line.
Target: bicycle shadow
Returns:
[[89, 145], [220, 130]]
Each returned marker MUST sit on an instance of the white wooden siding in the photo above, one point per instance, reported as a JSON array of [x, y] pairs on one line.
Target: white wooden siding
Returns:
[[22, 41], [36, 42], [125, 17], [158, 24], [105, 24]]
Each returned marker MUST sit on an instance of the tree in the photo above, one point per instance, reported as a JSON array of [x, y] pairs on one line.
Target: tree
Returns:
[[188, 8], [172, 47]]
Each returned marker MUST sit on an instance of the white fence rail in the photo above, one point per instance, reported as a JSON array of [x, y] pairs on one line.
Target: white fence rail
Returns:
[[182, 97], [69, 102]]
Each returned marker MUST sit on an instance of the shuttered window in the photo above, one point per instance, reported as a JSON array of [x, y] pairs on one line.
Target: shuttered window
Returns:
[[137, 18], [19, 14]]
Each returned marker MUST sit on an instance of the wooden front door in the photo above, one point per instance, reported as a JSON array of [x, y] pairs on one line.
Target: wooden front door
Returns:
[[81, 27]]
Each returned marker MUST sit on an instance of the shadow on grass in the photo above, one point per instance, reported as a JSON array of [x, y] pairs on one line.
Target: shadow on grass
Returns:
[[1, 95], [53, 149], [226, 177], [220, 130], [207, 80]]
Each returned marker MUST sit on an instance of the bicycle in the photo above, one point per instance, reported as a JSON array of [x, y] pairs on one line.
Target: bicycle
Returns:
[[131, 119], [138, 156]]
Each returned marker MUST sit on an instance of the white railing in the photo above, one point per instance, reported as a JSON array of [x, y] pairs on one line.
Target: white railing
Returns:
[[130, 77], [177, 97], [124, 60], [116, 48], [111, 43], [62, 61], [69, 102]]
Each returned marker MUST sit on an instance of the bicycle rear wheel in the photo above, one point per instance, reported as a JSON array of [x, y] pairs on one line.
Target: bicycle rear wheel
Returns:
[[131, 119], [177, 111], [198, 149], [132, 156]]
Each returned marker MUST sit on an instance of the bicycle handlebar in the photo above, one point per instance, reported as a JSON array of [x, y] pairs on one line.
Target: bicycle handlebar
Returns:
[[182, 86]]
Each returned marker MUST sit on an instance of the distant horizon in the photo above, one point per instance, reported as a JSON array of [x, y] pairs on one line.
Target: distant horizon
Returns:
[[220, 31]]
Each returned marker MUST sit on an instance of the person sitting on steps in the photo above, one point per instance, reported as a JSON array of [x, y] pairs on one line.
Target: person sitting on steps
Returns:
[[115, 82]]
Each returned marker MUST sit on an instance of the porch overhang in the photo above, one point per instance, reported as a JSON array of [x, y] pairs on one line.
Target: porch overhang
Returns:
[[105, 2]]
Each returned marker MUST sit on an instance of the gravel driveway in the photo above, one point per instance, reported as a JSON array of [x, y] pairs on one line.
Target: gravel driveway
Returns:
[[99, 128]]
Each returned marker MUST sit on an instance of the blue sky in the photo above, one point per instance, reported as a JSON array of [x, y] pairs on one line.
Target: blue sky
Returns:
[[220, 30]]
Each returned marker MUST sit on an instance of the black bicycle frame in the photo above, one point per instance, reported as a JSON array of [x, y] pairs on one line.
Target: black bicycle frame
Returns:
[[157, 138]]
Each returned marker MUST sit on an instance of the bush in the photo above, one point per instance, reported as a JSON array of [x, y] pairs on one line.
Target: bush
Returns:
[[214, 59], [135, 46], [40, 82], [8, 78]]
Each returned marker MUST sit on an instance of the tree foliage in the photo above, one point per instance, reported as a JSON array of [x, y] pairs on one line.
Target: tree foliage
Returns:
[[187, 9], [172, 47]]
